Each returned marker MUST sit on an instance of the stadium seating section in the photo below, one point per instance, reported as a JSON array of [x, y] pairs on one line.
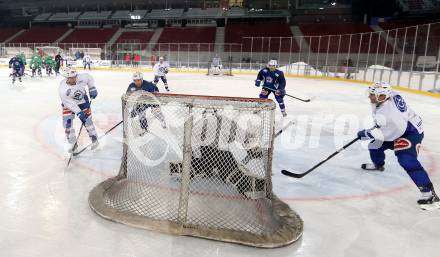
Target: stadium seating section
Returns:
[[237, 33], [264, 37], [416, 4], [6, 33], [95, 15], [40, 34], [203, 13], [142, 37], [189, 38], [62, 16], [90, 36], [336, 38], [408, 32]]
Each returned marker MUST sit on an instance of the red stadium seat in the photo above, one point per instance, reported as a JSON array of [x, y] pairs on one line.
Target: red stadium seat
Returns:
[[187, 39], [279, 32], [6, 33], [41, 34], [90, 37], [336, 38]]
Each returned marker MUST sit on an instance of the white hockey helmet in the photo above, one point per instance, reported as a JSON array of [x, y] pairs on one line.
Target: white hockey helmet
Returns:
[[161, 58], [138, 76], [380, 88], [69, 72], [272, 63]]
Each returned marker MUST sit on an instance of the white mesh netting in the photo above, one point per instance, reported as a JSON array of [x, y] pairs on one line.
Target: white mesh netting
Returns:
[[199, 166]]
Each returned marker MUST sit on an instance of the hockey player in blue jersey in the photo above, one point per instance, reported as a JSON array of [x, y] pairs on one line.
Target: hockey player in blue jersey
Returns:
[[273, 82], [400, 129], [140, 85], [17, 66]]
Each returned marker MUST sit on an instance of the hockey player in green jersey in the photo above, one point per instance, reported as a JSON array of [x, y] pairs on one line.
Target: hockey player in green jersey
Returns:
[[36, 63], [49, 64], [22, 58]]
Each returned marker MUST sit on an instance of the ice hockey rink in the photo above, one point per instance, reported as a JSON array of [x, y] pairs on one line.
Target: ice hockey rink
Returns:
[[346, 211]]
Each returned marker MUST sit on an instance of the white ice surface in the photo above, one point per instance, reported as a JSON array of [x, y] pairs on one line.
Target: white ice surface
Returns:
[[346, 212]]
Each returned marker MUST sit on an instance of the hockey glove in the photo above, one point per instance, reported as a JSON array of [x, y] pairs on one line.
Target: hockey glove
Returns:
[[365, 135], [257, 83], [166, 71], [82, 116], [93, 93], [280, 92], [264, 92]]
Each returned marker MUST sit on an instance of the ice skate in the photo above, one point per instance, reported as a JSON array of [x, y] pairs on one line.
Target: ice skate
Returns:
[[372, 167], [95, 145], [429, 201]]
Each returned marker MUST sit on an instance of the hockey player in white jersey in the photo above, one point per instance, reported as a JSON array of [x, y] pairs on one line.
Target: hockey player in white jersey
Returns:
[[87, 61], [400, 129], [160, 70], [75, 100]]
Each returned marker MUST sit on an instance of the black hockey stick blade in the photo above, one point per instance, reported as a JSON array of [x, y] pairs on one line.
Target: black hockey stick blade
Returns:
[[300, 175], [304, 100], [294, 175], [283, 129], [300, 99]]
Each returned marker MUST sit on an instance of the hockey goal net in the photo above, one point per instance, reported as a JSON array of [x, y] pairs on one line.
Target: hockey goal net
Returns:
[[198, 166]]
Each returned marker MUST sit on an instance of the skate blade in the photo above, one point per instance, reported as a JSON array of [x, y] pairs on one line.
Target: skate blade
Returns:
[[95, 148], [382, 169], [374, 170], [430, 207]]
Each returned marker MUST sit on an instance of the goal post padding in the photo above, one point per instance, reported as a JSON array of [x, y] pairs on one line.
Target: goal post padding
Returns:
[[203, 169]]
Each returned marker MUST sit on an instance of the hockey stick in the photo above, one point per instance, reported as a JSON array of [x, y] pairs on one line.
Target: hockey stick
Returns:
[[74, 146], [76, 141], [294, 97], [108, 131], [283, 129], [300, 175]]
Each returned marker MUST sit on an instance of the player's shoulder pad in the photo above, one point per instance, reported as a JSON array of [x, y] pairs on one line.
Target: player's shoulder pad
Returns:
[[62, 82], [280, 72], [131, 87], [149, 83], [85, 75], [265, 70]]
